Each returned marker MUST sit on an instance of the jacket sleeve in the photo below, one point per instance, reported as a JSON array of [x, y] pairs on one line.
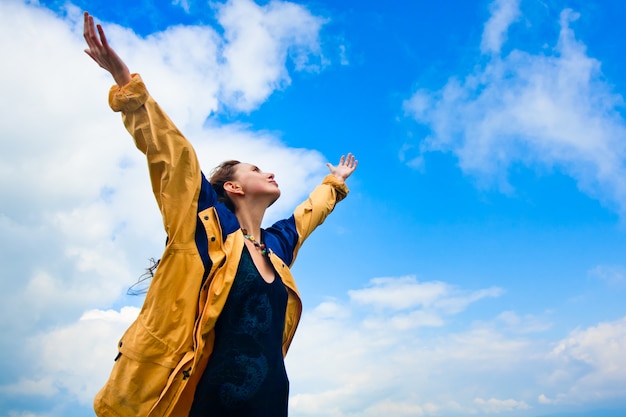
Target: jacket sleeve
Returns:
[[172, 163], [314, 210]]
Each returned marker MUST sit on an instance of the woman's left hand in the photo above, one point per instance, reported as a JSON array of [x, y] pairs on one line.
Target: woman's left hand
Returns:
[[345, 167]]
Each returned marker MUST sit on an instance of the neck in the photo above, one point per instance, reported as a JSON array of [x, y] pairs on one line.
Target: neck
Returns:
[[251, 221]]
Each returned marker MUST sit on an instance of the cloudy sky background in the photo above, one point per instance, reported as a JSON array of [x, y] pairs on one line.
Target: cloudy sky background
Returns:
[[478, 266]]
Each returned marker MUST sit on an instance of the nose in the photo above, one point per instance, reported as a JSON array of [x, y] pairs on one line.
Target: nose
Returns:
[[270, 175]]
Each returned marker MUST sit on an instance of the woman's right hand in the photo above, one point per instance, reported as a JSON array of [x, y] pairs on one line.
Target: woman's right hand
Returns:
[[100, 51]]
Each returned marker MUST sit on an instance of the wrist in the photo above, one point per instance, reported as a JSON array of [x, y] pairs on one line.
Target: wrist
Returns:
[[122, 77], [341, 178], [122, 80]]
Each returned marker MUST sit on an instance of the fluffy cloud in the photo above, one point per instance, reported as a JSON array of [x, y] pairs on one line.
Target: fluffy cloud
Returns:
[[495, 406], [341, 365], [613, 275], [503, 14], [378, 356], [259, 39], [74, 358], [590, 358], [414, 304], [549, 110]]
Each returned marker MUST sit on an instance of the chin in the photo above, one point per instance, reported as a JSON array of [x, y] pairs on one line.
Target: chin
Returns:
[[275, 198]]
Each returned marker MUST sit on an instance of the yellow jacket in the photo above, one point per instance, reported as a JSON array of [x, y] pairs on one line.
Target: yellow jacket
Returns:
[[164, 352]]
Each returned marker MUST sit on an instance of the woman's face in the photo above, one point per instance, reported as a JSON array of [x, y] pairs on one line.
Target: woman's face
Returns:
[[255, 182]]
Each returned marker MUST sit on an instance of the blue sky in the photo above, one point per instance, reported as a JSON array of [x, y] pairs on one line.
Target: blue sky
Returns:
[[478, 266]]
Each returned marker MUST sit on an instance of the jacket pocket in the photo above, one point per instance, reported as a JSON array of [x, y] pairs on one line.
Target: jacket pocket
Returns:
[[139, 376]]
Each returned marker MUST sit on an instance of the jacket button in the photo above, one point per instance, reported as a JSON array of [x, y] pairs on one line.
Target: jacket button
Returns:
[[206, 217], [212, 238], [120, 344]]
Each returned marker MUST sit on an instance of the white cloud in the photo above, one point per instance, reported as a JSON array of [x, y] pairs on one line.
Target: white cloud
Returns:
[[407, 292], [76, 358], [548, 110], [399, 294], [503, 14], [340, 365], [544, 400], [184, 4], [371, 354], [523, 324], [495, 406], [613, 275], [593, 360], [259, 40], [185, 80], [397, 409]]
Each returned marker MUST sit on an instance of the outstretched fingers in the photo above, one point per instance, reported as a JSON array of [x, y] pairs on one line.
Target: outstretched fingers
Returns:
[[100, 51], [89, 33], [345, 167], [349, 161]]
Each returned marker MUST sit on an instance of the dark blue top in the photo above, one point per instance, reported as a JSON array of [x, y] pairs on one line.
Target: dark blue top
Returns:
[[245, 376]]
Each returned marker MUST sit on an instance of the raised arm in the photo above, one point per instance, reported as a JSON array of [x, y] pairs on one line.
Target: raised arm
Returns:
[[101, 52], [346, 166], [174, 170]]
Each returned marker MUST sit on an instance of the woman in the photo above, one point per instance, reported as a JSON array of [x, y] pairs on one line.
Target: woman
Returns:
[[223, 306]]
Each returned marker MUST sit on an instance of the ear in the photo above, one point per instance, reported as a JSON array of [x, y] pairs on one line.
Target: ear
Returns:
[[233, 188]]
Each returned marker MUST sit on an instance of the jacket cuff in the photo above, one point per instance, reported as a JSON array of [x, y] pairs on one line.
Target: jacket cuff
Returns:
[[129, 97], [340, 187]]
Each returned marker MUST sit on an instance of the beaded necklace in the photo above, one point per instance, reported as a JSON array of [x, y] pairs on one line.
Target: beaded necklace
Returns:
[[260, 246]]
